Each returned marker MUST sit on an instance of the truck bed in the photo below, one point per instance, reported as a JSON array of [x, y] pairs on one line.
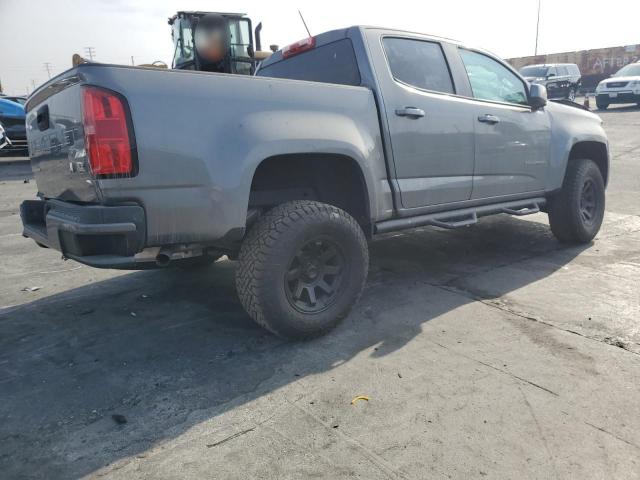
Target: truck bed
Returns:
[[198, 139]]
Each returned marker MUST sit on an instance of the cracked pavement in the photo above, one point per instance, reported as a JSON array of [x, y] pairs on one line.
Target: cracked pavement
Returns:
[[487, 352]]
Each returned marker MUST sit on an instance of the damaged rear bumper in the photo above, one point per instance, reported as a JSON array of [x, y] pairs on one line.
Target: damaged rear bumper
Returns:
[[96, 235]]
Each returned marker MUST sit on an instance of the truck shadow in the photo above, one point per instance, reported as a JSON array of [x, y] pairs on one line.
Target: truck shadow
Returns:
[[106, 371], [11, 169]]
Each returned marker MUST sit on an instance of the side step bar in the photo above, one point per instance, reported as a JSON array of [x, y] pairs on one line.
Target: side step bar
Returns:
[[463, 217]]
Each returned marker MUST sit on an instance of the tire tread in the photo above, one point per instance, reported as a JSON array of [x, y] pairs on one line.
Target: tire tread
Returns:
[[263, 236]]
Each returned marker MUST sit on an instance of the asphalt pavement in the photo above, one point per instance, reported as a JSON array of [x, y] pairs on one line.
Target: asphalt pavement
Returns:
[[486, 352]]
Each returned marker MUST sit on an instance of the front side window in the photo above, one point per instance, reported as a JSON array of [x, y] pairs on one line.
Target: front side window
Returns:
[[492, 81], [240, 37], [418, 63], [240, 41]]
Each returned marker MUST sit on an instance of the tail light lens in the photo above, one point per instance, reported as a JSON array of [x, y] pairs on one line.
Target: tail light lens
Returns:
[[106, 132]]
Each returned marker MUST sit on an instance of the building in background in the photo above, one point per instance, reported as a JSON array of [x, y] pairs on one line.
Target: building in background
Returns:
[[595, 65]]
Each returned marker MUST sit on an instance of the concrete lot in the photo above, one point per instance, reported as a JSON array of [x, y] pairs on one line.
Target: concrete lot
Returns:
[[488, 352]]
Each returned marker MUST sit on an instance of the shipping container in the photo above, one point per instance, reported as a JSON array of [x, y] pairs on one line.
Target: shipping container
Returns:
[[595, 65]]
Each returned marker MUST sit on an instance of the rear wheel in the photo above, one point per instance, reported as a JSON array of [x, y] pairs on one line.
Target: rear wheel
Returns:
[[576, 212], [602, 105], [301, 268]]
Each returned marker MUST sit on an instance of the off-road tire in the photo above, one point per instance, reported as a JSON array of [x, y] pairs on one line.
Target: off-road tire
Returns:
[[602, 105], [265, 267], [567, 209]]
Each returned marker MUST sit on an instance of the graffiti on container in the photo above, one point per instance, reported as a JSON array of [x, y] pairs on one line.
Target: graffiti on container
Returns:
[[594, 65]]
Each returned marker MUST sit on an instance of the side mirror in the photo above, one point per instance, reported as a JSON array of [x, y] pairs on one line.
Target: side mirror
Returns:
[[551, 75], [537, 96]]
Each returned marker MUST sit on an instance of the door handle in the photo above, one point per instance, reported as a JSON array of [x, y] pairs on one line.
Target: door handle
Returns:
[[411, 112], [490, 119]]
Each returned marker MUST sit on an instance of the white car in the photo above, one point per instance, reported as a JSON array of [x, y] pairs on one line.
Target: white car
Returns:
[[622, 87]]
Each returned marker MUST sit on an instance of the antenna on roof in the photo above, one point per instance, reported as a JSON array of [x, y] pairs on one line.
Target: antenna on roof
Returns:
[[304, 23]]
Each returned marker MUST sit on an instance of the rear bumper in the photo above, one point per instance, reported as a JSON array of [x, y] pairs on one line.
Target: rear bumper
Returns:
[[96, 235], [622, 97]]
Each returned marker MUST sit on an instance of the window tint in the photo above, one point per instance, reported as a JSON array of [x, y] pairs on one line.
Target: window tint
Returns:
[[418, 63], [490, 80], [331, 63]]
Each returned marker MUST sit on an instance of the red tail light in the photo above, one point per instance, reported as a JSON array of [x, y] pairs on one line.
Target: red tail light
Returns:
[[106, 132], [299, 47]]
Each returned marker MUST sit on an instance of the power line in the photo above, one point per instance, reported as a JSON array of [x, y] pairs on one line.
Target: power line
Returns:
[[538, 26], [47, 66], [90, 52]]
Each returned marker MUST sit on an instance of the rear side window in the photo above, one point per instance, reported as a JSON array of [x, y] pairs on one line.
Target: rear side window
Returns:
[[562, 71], [418, 63], [331, 63]]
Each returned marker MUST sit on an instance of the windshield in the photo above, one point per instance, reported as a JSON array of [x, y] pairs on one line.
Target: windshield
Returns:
[[534, 71], [632, 70], [182, 41]]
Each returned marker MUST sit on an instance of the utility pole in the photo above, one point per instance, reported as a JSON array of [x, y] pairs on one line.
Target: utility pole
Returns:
[[90, 52], [132, 61], [538, 27], [33, 83], [47, 66]]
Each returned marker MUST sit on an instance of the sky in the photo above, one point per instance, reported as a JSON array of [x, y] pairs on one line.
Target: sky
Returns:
[[33, 32]]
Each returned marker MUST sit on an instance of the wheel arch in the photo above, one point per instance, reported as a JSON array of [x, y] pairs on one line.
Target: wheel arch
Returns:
[[334, 178], [593, 150]]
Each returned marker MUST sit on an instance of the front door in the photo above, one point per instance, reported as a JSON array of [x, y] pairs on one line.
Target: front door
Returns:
[[432, 132], [512, 144]]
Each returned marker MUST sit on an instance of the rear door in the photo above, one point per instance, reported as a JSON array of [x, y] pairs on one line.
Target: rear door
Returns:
[[431, 131], [512, 141]]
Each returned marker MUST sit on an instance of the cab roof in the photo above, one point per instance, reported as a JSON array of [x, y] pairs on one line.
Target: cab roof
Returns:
[[198, 13]]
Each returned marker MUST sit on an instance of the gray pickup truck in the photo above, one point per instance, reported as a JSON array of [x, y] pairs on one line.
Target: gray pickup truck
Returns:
[[338, 138]]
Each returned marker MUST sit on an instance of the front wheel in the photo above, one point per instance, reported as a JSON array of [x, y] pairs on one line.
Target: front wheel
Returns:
[[577, 211], [601, 105], [301, 268]]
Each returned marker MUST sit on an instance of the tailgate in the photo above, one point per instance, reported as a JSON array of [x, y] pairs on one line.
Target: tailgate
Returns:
[[56, 141]]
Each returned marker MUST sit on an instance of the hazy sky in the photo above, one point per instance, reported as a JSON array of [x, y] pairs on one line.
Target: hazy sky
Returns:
[[36, 31]]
